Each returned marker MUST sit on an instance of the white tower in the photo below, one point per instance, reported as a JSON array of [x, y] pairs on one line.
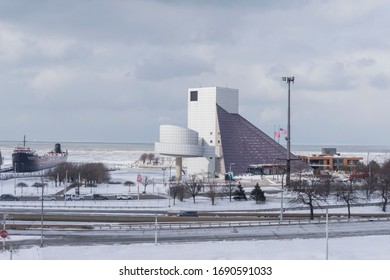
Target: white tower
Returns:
[[202, 118], [217, 137]]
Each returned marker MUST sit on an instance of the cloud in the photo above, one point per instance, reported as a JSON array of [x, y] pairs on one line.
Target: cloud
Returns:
[[16, 45], [51, 80], [365, 62], [171, 65], [380, 81], [110, 62], [271, 115]]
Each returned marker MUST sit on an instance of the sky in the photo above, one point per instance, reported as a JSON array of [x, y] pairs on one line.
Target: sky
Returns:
[[114, 71]]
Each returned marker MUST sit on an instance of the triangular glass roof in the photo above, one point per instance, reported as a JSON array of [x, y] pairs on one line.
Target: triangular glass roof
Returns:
[[244, 144]]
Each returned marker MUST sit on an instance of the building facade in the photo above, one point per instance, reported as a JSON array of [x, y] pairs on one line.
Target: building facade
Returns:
[[329, 159], [218, 139]]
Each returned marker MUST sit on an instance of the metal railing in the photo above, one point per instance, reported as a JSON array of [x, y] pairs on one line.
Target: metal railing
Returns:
[[227, 224]]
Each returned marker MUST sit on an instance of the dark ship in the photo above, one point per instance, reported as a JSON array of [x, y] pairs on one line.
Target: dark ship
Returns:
[[27, 160]]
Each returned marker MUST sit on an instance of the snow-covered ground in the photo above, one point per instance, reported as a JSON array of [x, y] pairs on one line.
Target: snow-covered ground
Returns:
[[287, 259], [192, 254], [347, 248]]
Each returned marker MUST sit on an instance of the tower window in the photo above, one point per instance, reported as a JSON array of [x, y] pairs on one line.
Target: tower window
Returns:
[[194, 96]]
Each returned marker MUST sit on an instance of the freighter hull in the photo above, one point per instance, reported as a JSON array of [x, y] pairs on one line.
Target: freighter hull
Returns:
[[26, 160]]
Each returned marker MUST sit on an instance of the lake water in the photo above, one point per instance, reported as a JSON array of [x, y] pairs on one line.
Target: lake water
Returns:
[[127, 153]]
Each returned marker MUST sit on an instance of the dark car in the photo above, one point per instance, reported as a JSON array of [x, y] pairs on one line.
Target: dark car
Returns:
[[240, 197], [188, 214], [99, 197], [8, 197]]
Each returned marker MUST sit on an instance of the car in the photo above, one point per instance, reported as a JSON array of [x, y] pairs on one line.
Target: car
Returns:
[[188, 214], [97, 196], [74, 197], [48, 198], [239, 198], [8, 197], [124, 197]]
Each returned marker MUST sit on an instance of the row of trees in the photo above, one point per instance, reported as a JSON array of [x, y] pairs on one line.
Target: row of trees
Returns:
[[195, 186], [365, 182], [88, 173], [149, 158]]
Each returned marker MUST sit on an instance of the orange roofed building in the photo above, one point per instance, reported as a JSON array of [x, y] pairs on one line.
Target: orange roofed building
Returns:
[[329, 159]]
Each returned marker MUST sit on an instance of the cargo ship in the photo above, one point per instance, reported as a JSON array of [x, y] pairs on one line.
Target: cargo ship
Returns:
[[27, 160]]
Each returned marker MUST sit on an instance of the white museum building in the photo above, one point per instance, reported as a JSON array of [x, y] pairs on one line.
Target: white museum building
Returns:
[[218, 139]]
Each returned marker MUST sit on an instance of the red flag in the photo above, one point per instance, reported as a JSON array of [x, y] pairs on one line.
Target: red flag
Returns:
[[277, 134]]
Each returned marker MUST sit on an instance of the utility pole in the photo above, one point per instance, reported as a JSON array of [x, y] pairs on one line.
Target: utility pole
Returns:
[[43, 187], [230, 180], [288, 80], [169, 186], [163, 169]]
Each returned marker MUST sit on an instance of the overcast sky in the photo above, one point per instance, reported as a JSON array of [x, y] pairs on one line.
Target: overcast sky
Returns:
[[114, 70]]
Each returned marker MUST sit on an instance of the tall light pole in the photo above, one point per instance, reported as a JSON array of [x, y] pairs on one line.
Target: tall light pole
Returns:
[[230, 167], [43, 188], [288, 80], [163, 169], [169, 186], [65, 185], [15, 179]]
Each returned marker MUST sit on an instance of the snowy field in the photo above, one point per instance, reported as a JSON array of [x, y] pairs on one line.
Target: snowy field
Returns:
[[287, 259], [348, 248], [191, 254]]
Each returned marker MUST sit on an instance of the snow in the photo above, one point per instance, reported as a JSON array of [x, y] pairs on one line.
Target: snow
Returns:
[[191, 254], [369, 248]]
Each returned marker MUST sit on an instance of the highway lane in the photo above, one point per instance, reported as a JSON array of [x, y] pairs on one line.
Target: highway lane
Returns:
[[73, 226], [59, 237]]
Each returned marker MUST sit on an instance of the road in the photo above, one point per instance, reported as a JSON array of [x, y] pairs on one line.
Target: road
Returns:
[[60, 237], [175, 229]]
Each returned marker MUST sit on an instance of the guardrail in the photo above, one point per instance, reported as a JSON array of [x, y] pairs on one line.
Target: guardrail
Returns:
[[227, 224], [89, 204]]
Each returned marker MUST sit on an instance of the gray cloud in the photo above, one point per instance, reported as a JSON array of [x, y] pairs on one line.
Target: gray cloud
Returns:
[[166, 66], [380, 81], [123, 67]]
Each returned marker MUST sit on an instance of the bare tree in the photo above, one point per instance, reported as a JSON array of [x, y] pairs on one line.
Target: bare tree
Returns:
[[90, 173], [347, 193], [39, 185], [229, 188], [177, 191], [146, 181], [193, 185], [143, 158], [212, 189], [311, 191], [371, 182], [129, 184], [22, 185], [383, 184], [151, 157]]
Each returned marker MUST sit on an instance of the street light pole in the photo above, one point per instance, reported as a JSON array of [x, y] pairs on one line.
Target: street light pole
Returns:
[[163, 169], [288, 80], [169, 186], [230, 167], [230, 181], [43, 186]]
